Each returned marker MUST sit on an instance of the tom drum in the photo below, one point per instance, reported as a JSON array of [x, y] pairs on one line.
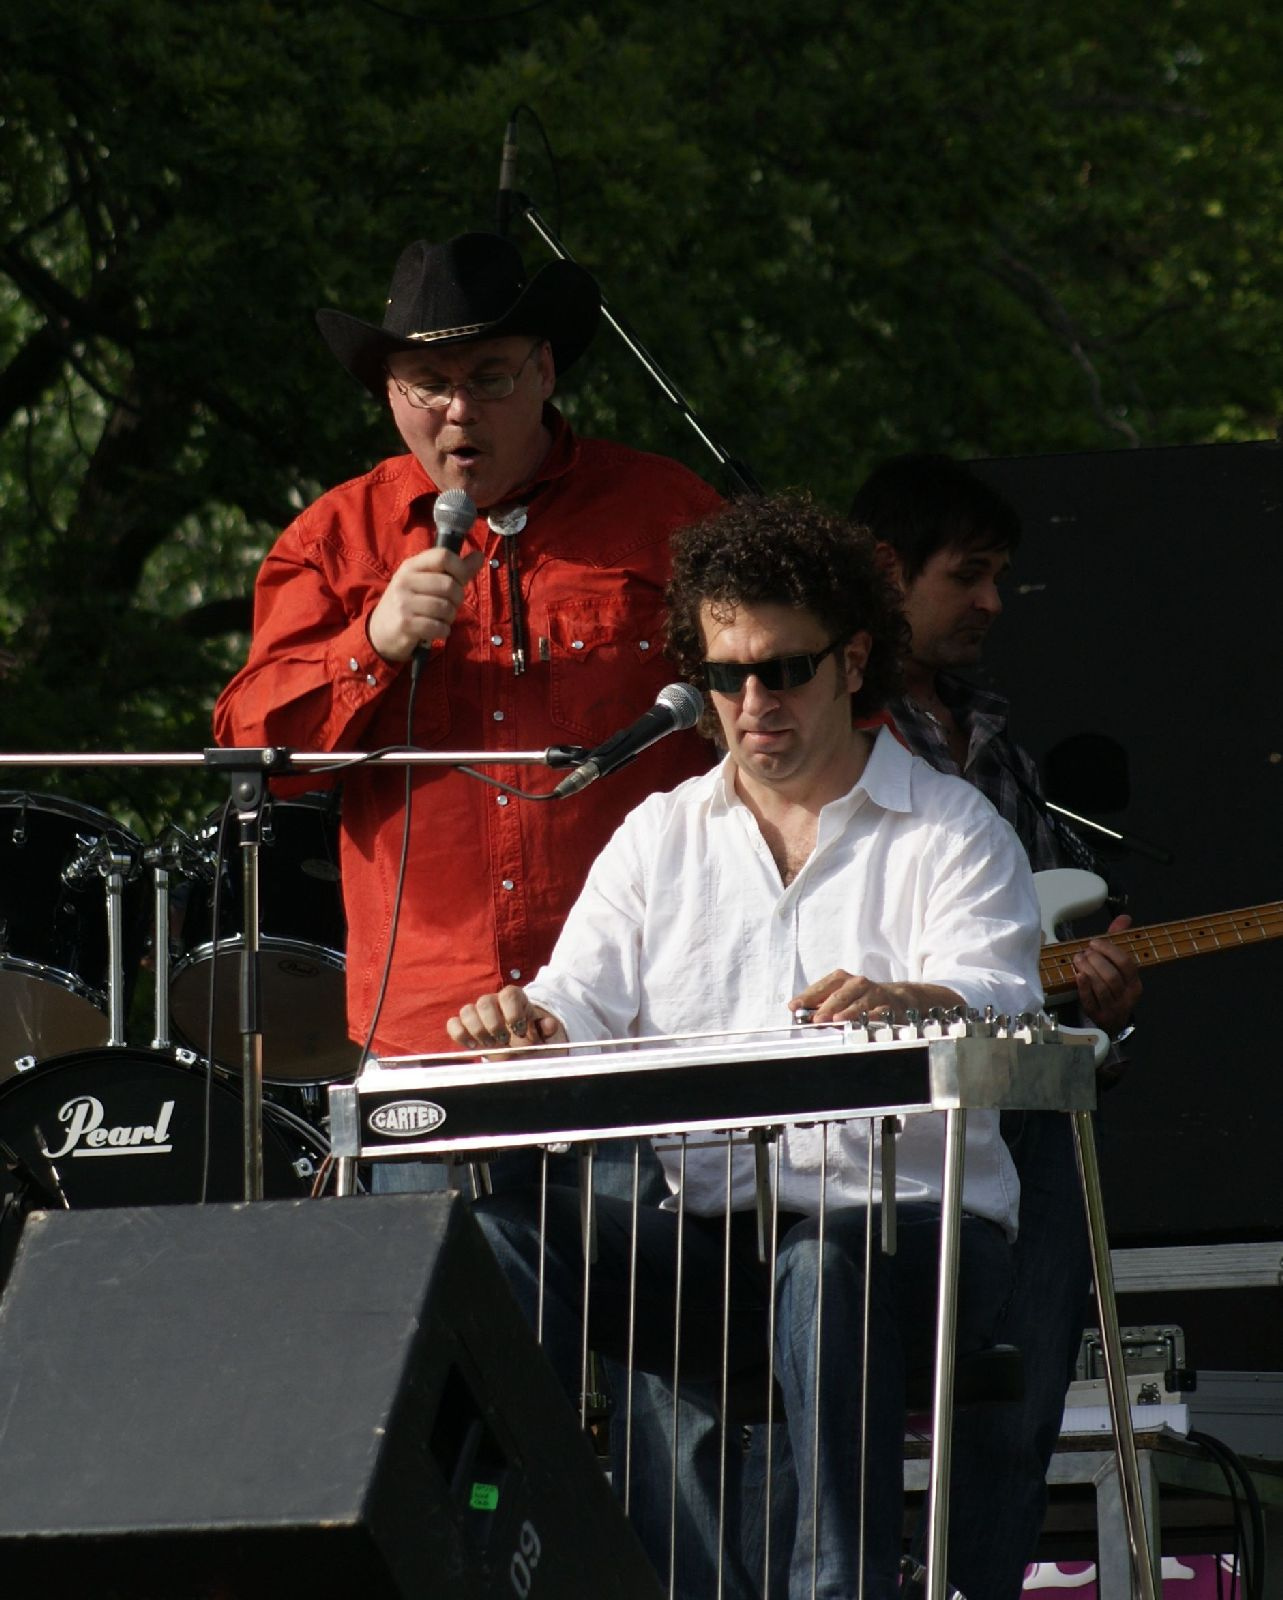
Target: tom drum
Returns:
[[302, 938]]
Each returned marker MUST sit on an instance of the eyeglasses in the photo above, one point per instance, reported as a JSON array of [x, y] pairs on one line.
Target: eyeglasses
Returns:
[[437, 396], [780, 672]]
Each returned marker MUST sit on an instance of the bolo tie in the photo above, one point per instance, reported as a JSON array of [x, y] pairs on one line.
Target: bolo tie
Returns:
[[508, 524]]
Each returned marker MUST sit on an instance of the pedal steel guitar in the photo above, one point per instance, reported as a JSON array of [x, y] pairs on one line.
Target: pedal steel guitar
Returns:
[[463, 1106]]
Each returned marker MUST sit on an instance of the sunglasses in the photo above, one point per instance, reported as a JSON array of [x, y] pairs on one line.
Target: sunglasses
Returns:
[[780, 672]]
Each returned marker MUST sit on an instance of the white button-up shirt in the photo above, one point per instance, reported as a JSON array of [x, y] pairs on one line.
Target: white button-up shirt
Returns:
[[685, 926]]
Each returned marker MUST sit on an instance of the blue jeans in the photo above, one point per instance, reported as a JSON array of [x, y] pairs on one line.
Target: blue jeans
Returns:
[[688, 1529], [521, 1168], [902, 1327]]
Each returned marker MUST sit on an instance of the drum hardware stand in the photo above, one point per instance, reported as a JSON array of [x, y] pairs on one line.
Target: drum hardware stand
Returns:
[[160, 858], [249, 768], [160, 958], [114, 866], [175, 852]]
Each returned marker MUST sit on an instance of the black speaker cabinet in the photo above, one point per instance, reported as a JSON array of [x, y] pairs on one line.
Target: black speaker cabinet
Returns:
[[313, 1397], [1142, 617]]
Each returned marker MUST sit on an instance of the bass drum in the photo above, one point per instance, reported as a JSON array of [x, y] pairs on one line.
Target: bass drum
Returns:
[[53, 926], [126, 1127], [302, 939]]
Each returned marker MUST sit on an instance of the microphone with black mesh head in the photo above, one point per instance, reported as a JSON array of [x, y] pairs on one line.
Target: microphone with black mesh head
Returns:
[[677, 706]]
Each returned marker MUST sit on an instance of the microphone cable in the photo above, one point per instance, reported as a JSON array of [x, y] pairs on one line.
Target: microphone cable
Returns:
[[1249, 1542], [399, 893], [410, 748], [553, 168]]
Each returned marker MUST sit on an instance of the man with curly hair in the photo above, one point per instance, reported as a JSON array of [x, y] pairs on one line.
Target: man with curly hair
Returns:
[[819, 867]]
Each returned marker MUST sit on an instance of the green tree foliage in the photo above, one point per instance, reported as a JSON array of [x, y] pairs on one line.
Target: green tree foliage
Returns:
[[974, 225]]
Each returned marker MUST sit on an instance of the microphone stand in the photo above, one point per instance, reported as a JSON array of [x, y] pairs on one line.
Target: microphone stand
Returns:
[[249, 770], [249, 790], [1126, 841], [743, 479]]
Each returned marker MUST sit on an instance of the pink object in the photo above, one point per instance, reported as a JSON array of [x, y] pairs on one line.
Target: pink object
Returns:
[[1184, 1578]]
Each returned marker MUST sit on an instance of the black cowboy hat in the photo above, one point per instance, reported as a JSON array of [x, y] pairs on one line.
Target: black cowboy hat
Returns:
[[471, 287]]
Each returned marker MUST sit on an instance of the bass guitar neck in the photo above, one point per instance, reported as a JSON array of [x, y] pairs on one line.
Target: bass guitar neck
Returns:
[[1155, 943]]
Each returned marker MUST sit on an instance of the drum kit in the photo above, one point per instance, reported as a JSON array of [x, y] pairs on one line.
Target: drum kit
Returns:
[[87, 1119]]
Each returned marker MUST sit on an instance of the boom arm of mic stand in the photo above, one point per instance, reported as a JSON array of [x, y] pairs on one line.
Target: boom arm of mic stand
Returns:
[[1128, 841], [743, 478]]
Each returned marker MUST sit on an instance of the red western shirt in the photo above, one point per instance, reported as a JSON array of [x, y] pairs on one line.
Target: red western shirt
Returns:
[[489, 877]]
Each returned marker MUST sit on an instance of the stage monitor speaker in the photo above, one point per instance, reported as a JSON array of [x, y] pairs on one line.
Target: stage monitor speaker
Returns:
[[312, 1398]]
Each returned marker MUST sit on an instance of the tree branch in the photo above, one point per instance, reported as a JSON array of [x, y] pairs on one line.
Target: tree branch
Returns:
[[1025, 282], [32, 372], [58, 302]]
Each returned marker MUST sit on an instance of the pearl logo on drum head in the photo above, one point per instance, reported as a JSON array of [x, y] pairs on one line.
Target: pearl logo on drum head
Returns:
[[405, 1119], [125, 1101], [86, 1135]]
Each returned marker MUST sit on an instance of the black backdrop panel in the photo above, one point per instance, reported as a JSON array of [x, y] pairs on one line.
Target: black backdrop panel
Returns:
[[312, 1398], [1145, 606]]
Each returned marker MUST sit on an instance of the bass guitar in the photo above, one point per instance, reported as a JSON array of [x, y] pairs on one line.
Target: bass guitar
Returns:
[[1066, 893]]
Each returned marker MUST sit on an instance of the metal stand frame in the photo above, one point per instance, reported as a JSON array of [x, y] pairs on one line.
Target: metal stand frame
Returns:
[[1141, 1547], [249, 769], [975, 1071], [1144, 1556], [1137, 1513]]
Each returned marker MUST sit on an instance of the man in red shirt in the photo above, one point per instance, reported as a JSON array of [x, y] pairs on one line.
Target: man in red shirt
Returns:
[[546, 629]]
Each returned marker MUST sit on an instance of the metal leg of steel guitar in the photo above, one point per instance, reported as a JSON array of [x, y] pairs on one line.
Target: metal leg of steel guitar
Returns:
[[946, 1334], [1144, 1557]]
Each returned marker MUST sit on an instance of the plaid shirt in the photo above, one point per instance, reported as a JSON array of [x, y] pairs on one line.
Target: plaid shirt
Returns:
[[1004, 773], [998, 767]]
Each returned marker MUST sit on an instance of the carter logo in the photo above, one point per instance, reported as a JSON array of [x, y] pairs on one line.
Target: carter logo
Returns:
[[403, 1119], [86, 1135]]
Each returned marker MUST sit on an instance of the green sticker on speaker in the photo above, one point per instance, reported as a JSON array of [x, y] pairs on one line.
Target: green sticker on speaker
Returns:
[[485, 1496]]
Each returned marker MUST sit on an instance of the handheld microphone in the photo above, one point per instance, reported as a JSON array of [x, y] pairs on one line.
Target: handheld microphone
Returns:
[[677, 706], [507, 179], [453, 513]]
